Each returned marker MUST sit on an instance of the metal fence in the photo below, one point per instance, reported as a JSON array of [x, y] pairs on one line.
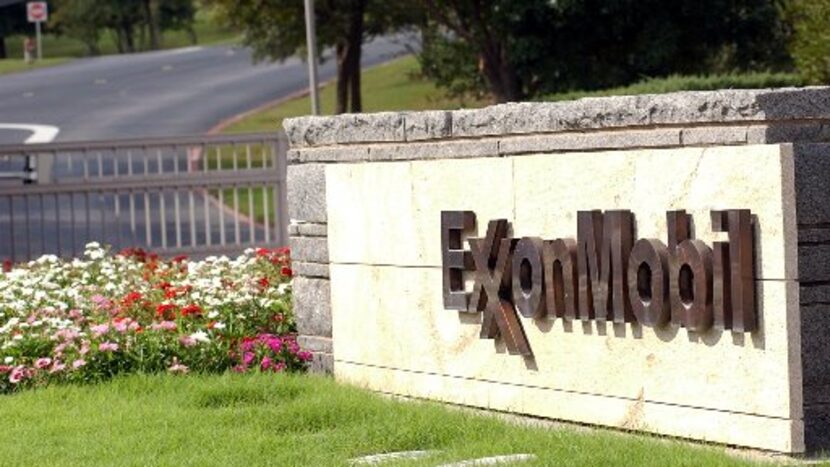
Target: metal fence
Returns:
[[185, 195]]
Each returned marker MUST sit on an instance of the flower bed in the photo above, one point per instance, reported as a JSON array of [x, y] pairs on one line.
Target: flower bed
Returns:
[[89, 319]]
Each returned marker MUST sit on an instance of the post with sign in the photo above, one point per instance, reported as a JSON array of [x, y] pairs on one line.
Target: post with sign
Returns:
[[37, 12]]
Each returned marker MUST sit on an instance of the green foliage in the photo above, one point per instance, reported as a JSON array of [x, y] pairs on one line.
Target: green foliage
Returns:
[[557, 46], [675, 83], [809, 21], [133, 25], [282, 420]]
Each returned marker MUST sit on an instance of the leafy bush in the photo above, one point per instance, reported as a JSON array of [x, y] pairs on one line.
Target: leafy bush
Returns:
[[690, 83], [88, 320], [810, 43]]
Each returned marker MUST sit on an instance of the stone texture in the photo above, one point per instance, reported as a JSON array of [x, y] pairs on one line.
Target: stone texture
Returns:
[[681, 108], [651, 182], [427, 125], [389, 212], [398, 316], [344, 129], [322, 364], [814, 294], [817, 427], [312, 306], [666, 137], [714, 135], [815, 347], [331, 154], [307, 229], [315, 344], [812, 171], [309, 249], [444, 150], [306, 191], [814, 263], [305, 269], [797, 132]]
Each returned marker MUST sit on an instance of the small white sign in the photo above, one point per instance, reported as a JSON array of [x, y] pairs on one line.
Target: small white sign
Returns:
[[37, 12]]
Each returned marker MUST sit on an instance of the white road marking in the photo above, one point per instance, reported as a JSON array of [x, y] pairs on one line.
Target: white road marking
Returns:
[[40, 133], [183, 50], [495, 460], [390, 456]]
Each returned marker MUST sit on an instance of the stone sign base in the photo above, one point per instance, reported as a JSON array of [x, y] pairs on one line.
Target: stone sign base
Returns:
[[366, 193]]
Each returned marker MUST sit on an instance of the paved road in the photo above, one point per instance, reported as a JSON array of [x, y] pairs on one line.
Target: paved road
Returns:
[[183, 91], [179, 92]]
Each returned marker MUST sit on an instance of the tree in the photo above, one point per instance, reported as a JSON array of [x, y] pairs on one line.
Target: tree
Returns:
[[523, 48], [12, 21], [276, 30], [810, 37]]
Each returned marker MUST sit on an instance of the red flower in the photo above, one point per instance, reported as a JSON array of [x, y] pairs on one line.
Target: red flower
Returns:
[[166, 310], [7, 265], [130, 299], [260, 252], [286, 271], [180, 259], [192, 309], [264, 282]]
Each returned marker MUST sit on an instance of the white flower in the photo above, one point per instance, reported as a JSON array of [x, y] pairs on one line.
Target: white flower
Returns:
[[200, 336], [8, 360], [212, 314], [219, 325]]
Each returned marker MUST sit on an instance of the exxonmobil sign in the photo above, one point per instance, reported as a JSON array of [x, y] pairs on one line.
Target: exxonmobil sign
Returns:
[[605, 274]]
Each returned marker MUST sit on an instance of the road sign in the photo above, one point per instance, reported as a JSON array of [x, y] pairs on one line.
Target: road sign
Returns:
[[37, 12]]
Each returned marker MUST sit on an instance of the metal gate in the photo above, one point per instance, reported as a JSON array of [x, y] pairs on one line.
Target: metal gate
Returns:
[[196, 195]]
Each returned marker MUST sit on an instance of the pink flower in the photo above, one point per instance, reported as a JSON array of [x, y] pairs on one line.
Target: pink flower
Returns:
[[76, 314], [304, 356], [101, 301], [247, 358], [59, 349], [120, 326], [5, 369], [43, 362], [66, 335], [108, 347], [164, 326], [57, 367], [177, 367], [18, 374], [78, 363], [265, 364], [187, 341], [84, 348], [100, 329]]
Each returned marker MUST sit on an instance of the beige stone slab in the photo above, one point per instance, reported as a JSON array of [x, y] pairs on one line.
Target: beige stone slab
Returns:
[[389, 212], [397, 316], [651, 182], [674, 420]]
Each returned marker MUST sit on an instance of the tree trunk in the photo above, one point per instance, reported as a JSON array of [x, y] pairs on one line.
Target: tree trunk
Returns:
[[342, 101], [500, 74], [355, 46], [3, 53], [151, 18]]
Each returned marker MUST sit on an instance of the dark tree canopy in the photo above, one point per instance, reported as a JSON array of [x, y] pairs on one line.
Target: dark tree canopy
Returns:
[[525, 47], [276, 30]]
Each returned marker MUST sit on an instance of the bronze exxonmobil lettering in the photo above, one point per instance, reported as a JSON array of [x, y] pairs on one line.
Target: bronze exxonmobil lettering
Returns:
[[605, 274]]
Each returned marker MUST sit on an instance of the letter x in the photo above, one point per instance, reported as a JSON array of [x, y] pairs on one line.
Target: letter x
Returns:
[[492, 256]]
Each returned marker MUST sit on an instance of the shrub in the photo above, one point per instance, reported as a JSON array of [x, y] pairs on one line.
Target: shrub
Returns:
[[89, 319], [810, 41]]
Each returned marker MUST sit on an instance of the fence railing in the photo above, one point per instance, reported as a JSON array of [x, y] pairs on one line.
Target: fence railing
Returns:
[[182, 195]]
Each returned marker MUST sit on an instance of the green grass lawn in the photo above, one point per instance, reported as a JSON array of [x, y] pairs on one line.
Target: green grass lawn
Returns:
[[287, 421], [395, 85], [13, 65], [59, 49]]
